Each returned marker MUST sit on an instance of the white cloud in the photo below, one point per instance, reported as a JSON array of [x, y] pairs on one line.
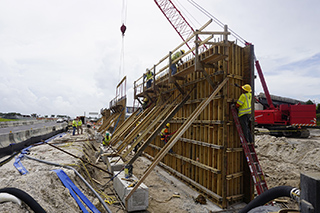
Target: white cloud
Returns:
[[63, 57]]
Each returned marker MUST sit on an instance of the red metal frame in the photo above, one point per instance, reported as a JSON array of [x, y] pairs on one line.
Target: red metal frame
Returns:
[[264, 85], [176, 19], [284, 114]]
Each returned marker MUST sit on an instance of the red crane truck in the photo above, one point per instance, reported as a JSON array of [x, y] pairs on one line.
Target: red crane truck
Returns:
[[285, 119]]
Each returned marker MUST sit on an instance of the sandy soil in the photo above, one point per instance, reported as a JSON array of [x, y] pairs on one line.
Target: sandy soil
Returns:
[[282, 160]]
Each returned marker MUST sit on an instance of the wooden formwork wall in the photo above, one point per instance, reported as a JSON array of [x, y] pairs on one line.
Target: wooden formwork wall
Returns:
[[209, 152]]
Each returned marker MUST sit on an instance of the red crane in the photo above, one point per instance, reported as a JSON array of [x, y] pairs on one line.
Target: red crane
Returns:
[[176, 19], [285, 119]]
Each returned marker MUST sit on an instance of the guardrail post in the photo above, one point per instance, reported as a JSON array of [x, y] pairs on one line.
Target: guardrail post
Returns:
[[154, 77], [170, 70]]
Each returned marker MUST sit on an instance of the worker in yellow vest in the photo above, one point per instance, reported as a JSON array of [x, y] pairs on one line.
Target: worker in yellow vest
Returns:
[[79, 127], [174, 65], [106, 139], [149, 77], [164, 132], [244, 111], [74, 126]]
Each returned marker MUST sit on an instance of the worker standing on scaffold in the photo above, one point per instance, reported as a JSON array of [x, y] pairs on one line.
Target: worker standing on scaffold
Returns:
[[244, 113], [174, 57], [148, 76]]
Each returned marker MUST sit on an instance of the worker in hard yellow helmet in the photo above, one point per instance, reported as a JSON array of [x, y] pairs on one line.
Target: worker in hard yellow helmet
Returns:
[[174, 64], [244, 111], [149, 76], [145, 103], [164, 133]]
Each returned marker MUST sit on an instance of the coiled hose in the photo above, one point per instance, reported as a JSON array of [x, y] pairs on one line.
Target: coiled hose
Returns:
[[271, 194], [25, 197]]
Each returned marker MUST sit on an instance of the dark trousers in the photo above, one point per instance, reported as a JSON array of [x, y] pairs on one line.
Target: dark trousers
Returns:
[[74, 130], [173, 69], [245, 121], [149, 83]]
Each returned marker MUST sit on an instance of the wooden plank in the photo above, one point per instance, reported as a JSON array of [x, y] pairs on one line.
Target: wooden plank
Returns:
[[112, 122], [140, 127], [158, 128], [148, 128], [118, 138], [193, 162], [106, 122], [127, 122]]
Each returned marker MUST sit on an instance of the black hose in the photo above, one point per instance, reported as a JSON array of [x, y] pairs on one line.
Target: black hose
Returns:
[[271, 194], [8, 159], [9, 150], [25, 197]]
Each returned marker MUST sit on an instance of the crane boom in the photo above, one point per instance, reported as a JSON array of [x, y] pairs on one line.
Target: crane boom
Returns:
[[176, 19], [264, 85]]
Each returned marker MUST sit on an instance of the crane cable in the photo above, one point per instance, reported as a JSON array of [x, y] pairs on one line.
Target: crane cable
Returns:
[[122, 29], [185, 12], [217, 21]]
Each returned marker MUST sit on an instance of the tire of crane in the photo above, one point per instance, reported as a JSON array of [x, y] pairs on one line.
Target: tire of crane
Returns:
[[305, 133], [25, 197]]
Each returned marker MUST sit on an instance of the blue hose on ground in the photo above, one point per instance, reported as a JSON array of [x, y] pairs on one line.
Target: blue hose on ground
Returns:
[[85, 182], [25, 197], [76, 192], [271, 194]]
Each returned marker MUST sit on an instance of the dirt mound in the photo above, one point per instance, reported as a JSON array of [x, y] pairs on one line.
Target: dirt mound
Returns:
[[283, 159]]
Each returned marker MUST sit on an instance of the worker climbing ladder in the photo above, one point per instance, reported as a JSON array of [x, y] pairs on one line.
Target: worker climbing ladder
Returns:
[[251, 156]]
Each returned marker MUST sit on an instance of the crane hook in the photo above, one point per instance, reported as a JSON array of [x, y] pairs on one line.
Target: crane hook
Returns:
[[123, 29]]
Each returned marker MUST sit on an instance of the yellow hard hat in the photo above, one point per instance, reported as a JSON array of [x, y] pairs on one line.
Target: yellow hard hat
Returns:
[[182, 51], [145, 99], [168, 124], [246, 87]]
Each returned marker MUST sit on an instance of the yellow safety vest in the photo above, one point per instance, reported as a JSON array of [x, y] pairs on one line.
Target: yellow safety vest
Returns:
[[80, 123], [74, 123], [164, 131], [149, 75], [106, 140], [176, 55], [245, 104]]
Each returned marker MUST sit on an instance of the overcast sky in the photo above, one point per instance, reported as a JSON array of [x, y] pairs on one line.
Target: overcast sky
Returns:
[[64, 56]]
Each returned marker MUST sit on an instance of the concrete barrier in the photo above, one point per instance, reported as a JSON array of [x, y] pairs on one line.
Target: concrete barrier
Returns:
[[139, 199], [17, 137], [21, 123]]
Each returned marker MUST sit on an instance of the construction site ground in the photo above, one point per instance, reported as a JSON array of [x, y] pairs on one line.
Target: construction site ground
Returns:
[[282, 159]]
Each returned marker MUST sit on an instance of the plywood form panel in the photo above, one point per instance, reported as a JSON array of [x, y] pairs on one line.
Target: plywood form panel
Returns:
[[211, 133]]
